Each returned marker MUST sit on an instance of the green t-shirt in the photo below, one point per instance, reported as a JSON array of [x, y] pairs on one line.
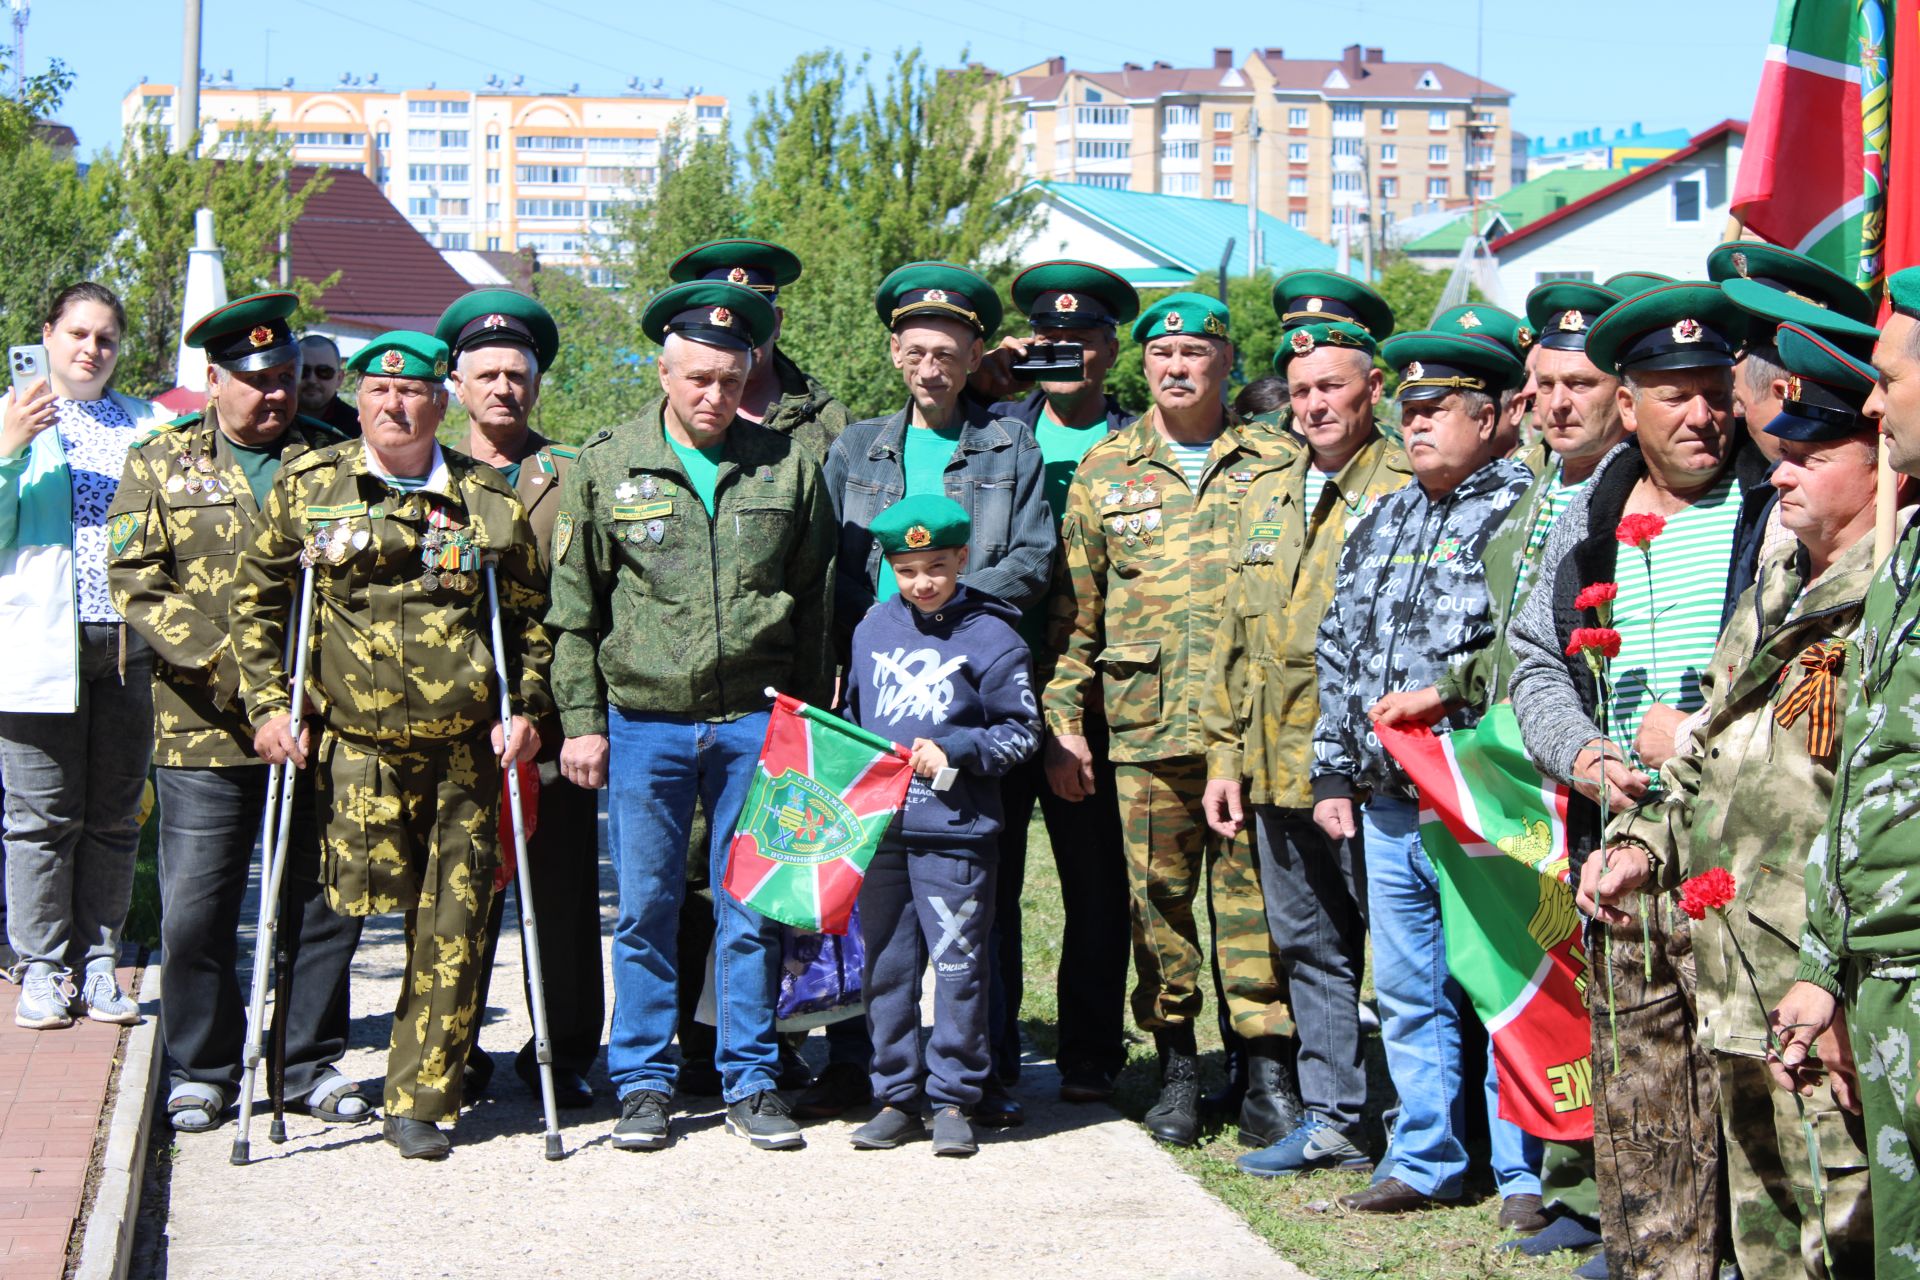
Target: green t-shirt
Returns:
[[1061, 448], [260, 465], [512, 472], [925, 455], [702, 467]]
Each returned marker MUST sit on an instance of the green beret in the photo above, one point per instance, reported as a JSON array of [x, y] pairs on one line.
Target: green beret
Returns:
[[1310, 297], [249, 333], [759, 265], [711, 312], [1183, 313], [1304, 339], [499, 315], [937, 290], [1772, 308], [402, 353], [1688, 324], [1431, 364], [1561, 312], [1479, 320], [1903, 291], [1074, 295], [1762, 265], [1827, 387], [922, 522], [1628, 283]]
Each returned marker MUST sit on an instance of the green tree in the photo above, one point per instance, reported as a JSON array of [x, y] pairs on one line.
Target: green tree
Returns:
[[57, 231], [695, 197], [596, 380], [39, 97]]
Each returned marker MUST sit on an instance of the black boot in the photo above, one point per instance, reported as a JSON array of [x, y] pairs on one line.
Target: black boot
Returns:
[[1225, 1101], [1175, 1117], [1271, 1109]]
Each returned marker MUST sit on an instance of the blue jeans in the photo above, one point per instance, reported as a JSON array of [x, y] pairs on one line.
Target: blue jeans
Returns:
[[1421, 1008], [656, 766]]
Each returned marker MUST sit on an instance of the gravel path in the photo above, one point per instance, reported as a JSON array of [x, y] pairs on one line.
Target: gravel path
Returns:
[[1077, 1191]]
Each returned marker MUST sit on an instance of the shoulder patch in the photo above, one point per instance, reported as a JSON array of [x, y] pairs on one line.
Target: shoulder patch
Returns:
[[562, 535], [121, 531], [562, 451]]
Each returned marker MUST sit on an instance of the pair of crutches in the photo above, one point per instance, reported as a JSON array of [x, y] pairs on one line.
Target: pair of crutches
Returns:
[[276, 832]]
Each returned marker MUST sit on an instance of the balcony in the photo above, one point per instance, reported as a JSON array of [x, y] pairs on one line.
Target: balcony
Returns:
[[1484, 125]]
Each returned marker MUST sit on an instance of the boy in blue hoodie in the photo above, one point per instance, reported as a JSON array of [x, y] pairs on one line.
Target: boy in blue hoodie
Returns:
[[939, 666]]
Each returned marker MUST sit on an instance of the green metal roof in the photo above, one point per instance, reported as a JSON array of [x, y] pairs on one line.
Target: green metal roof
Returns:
[[1188, 232], [1518, 206]]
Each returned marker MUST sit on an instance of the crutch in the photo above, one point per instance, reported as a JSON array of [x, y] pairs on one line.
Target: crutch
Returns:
[[523, 878], [276, 832]]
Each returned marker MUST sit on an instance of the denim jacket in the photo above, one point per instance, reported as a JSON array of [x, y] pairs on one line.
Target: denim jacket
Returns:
[[996, 474]]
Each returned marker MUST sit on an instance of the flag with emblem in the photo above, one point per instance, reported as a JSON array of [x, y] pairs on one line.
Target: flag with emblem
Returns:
[[1496, 833], [824, 793], [1813, 167]]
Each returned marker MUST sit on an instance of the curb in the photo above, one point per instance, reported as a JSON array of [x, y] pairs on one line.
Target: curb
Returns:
[[106, 1248]]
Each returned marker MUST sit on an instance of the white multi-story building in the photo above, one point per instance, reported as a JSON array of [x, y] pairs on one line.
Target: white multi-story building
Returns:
[[493, 169]]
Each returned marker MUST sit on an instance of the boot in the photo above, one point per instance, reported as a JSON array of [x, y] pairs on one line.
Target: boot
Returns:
[[1225, 1101], [1175, 1117], [1271, 1109]]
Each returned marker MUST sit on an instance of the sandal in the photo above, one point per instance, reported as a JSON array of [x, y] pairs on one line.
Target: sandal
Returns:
[[336, 1100], [193, 1107]]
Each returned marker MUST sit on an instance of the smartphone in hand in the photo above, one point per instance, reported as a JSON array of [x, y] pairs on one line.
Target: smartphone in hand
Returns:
[[28, 365]]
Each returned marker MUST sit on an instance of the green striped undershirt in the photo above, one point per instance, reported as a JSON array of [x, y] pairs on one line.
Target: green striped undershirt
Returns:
[[1192, 459], [1317, 481]]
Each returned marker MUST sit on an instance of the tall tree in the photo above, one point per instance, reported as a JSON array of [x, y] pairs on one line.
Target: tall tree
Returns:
[[695, 196], [56, 232]]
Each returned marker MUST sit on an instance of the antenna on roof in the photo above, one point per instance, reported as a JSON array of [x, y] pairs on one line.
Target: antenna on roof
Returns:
[[373, 77]]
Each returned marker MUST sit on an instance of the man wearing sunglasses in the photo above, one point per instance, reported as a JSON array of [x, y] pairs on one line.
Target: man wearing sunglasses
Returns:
[[321, 374]]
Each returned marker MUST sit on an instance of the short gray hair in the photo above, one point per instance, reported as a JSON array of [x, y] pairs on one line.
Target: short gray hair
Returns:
[[1760, 367], [533, 361]]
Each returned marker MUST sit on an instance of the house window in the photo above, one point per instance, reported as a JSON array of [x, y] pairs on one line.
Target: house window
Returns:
[[422, 172], [1222, 121], [1347, 147], [1296, 117], [493, 211], [1296, 153], [1106, 148], [385, 176], [1389, 118], [1347, 182], [1223, 154], [547, 142], [1111, 181], [419, 206], [454, 139], [1223, 188], [493, 244], [1686, 200], [493, 177], [1436, 119], [1183, 115], [1389, 153], [1437, 154], [1297, 219], [1483, 188], [1296, 186], [493, 142], [383, 140], [550, 208], [1436, 188], [1346, 113], [1180, 184], [453, 208], [1389, 188], [455, 240], [1094, 95], [546, 174], [1026, 121], [706, 112], [1546, 277], [1180, 150], [1116, 116], [1340, 215]]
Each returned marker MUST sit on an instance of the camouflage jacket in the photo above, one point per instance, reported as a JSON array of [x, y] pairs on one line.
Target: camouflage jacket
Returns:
[[1863, 898], [401, 655], [1409, 598], [175, 532], [659, 608], [543, 474], [805, 410], [1262, 697], [1144, 578], [1747, 794]]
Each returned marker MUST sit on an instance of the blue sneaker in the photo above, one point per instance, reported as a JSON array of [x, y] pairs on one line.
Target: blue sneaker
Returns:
[[1314, 1145]]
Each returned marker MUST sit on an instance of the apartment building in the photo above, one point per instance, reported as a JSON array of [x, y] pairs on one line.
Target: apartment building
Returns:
[[497, 168], [1305, 137]]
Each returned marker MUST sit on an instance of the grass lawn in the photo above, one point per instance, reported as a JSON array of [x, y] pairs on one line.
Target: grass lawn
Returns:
[[1297, 1216]]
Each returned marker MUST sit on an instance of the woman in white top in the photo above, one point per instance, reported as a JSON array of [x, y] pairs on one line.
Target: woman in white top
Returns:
[[76, 686]]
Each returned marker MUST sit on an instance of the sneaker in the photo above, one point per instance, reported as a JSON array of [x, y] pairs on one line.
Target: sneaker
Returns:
[[762, 1119], [839, 1088], [643, 1121], [888, 1130], [106, 1002], [1315, 1144], [46, 999], [952, 1135]]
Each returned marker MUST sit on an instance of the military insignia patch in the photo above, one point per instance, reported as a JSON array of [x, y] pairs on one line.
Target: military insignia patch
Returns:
[[1572, 322], [1687, 330], [260, 336], [121, 531], [1416, 371], [392, 362], [1740, 263], [1301, 342], [918, 536], [562, 535], [1468, 320], [439, 368], [656, 530], [722, 317], [1067, 302], [1174, 322], [936, 295], [1523, 337], [1793, 387], [1316, 304], [624, 491], [494, 321], [1213, 327], [737, 276]]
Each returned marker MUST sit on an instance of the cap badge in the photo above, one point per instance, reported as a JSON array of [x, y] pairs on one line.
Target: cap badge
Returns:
[[1793, 387], [918, 536], [1212, 326], [1174, 322], [1301, 342], [1523, 337], [1066, 302], [1740, 263], [1468, 320], [1687, 330], [737, 276], [936, 295], [391, 361], [1316, 304], [494, 321], [1572, 322], [721, 316], [1416, 371], [439, 368], [261, 336]]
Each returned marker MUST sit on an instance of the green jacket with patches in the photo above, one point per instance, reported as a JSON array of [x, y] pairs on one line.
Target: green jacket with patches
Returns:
[[804, 410], [658, 607], [1748, 794], [1143, 583], [401, 654], [172, 570], [1263, 695]]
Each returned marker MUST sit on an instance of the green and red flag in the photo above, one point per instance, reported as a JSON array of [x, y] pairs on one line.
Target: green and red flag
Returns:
[[1496, 833], [823, 794], [1814, 167]]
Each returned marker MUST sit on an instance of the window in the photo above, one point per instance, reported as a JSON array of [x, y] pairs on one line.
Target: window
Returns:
[[1436, 188], [1296, 117], [1339, 215], [706, 111], [455, 240], [423, 108], [493, 142], [1686, 200], [1223, 188], [1111, 181], [385, 176], [1297, 219], [1389, 118], [493, 211], [428, 138], [1389, 188], [1347, 147], [423, 172], [453, 139], [419, 206], [546, 174], [550, 208], [1348, 182], [383, 140], [600, 277], [493, 177], [552, 241], [1180, 184], [1389, 153], [455, 173], [1480, 157], [1183, 114], [1026, 121], [1103, 149], [1436, 119], [1223, 153], [1102, 115], [1483, 188], [453, 208], [1296, 153], [1296, 186], [601, 210], [1222, 121], [1546, 277], [1346, 113], [647, 147], [1094, 95], [1437, 154], [1180, 150], [329, 139], [493, 244], [547, 142]]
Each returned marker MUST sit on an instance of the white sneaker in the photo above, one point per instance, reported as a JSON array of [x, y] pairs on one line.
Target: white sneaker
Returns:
[[106, 1002], [46, 995]]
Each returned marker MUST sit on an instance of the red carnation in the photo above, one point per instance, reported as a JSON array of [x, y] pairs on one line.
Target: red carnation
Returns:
[[1708, 891], [1639, 530], [1604, 641], [1596, 595]]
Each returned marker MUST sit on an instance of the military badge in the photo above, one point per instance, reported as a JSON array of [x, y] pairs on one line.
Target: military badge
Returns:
[[1740, 263], [1133, 524], [120, 532], [1687, 330], [625, 491], [1149, 494], [439, 368], [392, 362], [494, 321], [1066, 302], [260, 336], [1301, 342], [1150, 519], [1174, 322], [1793, 387], [936, 295], [1114, 496], [737, 276], [1572, 322], [1212, 327], [656, 529], [1416, 371], [176, 483], [562, 535], [1469, 321], [360, 539], [648, 488], [1316, 304], [1118, 525], [918, 536], [722, 317], [1523, 337]]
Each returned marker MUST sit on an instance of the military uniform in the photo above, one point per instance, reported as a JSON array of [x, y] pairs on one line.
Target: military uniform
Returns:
[[402, 680]]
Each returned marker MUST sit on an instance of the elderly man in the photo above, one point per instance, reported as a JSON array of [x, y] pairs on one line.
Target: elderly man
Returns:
[[1863, 902], [1150, 516], [1655, 1130], [1517, 335], [1409, 598], [945, 444], [1750, 794], [692, 570], [171, 578], [321, 374], [503, 343], [408, 766], [1258, 722]]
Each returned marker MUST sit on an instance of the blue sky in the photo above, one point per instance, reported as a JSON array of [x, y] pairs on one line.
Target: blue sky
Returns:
[[1666, 63]]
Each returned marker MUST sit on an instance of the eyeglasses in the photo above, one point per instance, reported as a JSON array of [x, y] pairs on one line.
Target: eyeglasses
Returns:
[[324, 372]]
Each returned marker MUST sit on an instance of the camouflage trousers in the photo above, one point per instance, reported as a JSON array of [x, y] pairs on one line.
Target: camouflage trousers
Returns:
[[1883, 1019], [1656, 1120], [1776, 1235], [418, 832], [1168, 844]]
